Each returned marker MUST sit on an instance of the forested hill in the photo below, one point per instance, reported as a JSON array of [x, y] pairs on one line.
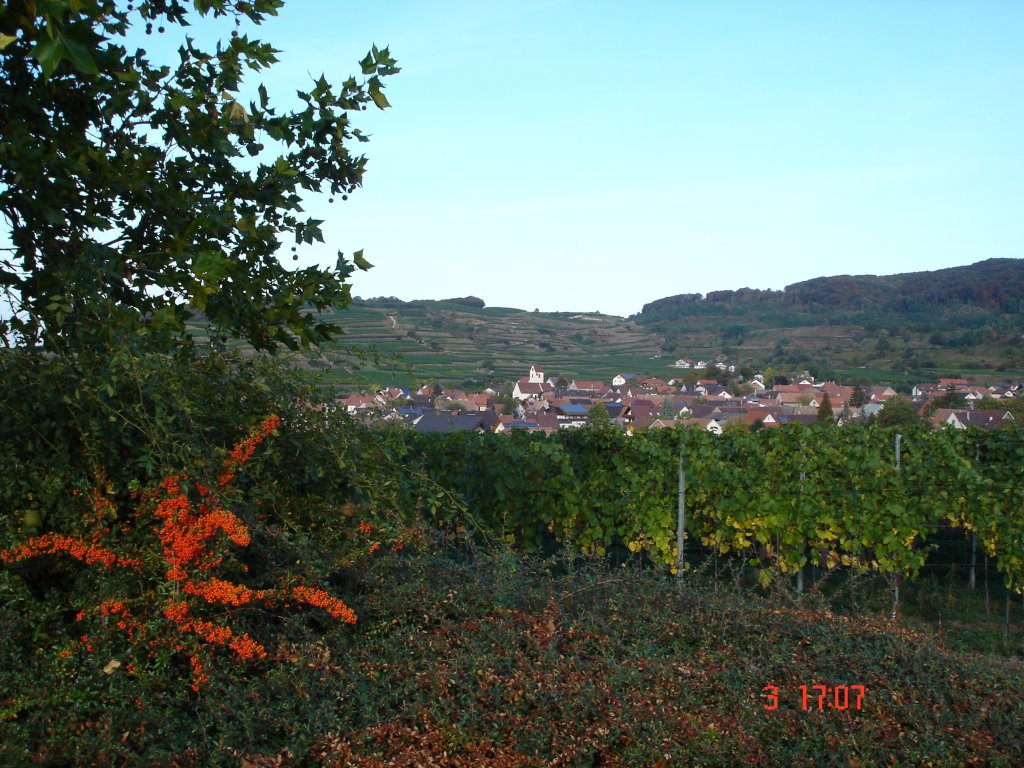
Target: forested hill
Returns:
[[988, 289], [953, 317]]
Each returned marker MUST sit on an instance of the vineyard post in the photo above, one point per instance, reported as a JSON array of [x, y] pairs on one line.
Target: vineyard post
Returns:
[[988, 611], [974, 533], [800, 571], [896, 577], [974, 557], [681, 519], [1006, 622]]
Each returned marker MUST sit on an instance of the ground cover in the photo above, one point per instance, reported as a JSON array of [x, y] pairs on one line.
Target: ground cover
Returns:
[[487, 657]]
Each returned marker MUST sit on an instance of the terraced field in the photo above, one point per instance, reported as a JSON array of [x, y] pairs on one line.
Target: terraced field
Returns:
[[417, 342], [455, 343]]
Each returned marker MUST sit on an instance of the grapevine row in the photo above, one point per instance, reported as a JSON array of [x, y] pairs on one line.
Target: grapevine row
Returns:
[[783, 498]]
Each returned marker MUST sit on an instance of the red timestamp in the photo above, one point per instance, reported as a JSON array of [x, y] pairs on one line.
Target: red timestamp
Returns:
[[820, 697]]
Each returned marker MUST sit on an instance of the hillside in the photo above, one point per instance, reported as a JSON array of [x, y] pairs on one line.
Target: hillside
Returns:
[[459, 342], [863, 329], [963, 317]]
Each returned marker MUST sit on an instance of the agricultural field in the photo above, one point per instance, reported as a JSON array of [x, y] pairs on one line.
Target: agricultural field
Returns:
[[454, 343]]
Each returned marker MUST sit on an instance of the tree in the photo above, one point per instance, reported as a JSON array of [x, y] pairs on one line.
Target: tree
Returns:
[[897, 412], [858, 398], [825, 411], [598, 418], [668, 408], [950, 399], [135, 194]]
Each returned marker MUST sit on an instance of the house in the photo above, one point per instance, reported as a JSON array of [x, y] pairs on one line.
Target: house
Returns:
[[808, 396], [426, 402], [621, 379], [582, 385], [683, 363], [976, 393], [870, 410], [880, 394], [536, 375], [766, 417], [797, 418], [548, 423], [962, 419], [527, 390], [837, 395], [480, 402], [358, 403], [508, 423], [718, 392], [444, 422], [393, 393], [651, 383], [614, 410], [569, 412], [711, 425], [640, 411]]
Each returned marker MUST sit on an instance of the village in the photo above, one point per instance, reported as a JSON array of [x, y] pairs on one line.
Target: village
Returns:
[[545, 403]]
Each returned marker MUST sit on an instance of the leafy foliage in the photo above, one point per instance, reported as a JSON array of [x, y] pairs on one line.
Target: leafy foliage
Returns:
[[782, 499], [897, 412], [825, 410], [503, 660], [136, 193]]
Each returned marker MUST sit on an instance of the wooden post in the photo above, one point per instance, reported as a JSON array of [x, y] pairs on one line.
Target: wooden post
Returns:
[[800, 572], [974, 557], [1006, 623], [681, 520], [896, 577], [974, 534], [988, 611]]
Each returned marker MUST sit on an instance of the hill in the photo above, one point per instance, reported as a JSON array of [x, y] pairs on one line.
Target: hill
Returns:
[[863, 329], [459, 341], [963, 317]]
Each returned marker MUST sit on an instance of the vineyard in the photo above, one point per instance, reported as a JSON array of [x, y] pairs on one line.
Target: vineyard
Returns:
[[193, 584], [863, 498]]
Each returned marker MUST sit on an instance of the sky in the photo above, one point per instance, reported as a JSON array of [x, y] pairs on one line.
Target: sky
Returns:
[[594, 156]]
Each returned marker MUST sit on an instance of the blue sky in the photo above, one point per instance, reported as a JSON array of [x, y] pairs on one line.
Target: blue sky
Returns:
[[571, 155]]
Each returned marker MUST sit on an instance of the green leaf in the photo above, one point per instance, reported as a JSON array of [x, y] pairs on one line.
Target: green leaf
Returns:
[[360, 262], [6, 40], [80, 56], [49, 53], [211, 266], [367, 64], [130, 76], [375, 93]]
